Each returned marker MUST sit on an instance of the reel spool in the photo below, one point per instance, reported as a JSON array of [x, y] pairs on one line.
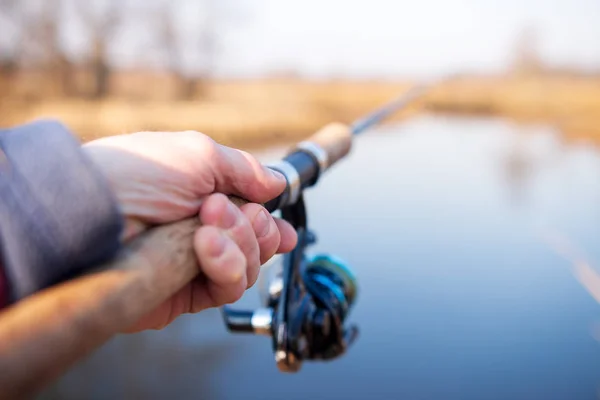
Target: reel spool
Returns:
[[333, 288], [334, 273], [329, 292]]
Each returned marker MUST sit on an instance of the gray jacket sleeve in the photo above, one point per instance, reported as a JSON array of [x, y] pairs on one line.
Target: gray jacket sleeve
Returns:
[[58, 216]]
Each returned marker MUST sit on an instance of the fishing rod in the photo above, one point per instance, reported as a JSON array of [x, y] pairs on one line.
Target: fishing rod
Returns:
[[309, 301], [45, 334]]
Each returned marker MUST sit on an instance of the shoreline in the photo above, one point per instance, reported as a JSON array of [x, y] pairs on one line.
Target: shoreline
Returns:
[[251, 113]]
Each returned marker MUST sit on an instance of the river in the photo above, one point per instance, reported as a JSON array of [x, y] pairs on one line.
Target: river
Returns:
[[453, 226]]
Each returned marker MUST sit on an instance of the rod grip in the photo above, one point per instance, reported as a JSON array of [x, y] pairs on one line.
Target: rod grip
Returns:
[[45, 334], [335, 139]]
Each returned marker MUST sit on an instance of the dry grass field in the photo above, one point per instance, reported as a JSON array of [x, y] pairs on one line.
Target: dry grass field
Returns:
[[571, 104], [252, 113]]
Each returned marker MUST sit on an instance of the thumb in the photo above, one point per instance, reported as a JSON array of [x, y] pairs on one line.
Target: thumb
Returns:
[[239, 173]]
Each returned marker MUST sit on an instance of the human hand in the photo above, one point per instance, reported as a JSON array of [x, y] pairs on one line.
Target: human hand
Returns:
[[161, 177]]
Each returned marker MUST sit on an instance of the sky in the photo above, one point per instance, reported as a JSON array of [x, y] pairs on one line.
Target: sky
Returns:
[[365, 38], [370, 38]]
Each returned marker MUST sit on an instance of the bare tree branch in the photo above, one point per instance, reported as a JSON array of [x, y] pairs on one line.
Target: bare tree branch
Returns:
[[198, 43], [102, 26]]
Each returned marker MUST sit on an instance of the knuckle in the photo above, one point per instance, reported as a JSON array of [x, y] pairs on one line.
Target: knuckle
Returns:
[[242, 231], [195, 140], [250, 209], [247, 156], [191, 134], [255, 165]]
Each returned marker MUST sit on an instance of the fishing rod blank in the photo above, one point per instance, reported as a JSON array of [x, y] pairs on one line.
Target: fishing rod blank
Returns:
[[309, 159], [388, 109]]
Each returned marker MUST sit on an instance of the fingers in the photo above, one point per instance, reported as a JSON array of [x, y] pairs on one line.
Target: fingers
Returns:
[[223, 263], [266, 233], [289, 238], [234, 242], [219, 212], [239, 173], [273, 236], [230, 246]]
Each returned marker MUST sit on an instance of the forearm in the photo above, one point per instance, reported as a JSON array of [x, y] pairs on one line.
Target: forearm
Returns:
[[58, 216]]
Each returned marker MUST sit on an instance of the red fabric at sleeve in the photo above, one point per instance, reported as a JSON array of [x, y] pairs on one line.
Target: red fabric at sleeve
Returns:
[[3, 288]]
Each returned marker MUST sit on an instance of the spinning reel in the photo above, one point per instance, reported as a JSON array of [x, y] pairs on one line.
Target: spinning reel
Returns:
[[309, 301], [307, 304]]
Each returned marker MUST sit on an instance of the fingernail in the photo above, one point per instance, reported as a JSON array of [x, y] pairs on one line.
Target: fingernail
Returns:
[[278, 175], [261, 224], [218, 245], [229, 217]]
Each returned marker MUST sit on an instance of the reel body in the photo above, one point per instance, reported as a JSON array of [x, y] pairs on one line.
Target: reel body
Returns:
[[306, 306]]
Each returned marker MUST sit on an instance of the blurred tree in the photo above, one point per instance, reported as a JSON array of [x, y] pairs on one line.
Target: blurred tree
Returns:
[[527, 60], [198, 42], [102, 21], [57, 61], [56, 38], [170, 43], [8, 54], [33, 40]]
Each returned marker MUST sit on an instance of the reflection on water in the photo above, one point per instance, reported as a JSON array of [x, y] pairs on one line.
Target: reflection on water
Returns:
[[459, 295], [582, 269]]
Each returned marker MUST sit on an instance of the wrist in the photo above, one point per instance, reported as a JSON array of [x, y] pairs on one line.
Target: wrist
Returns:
[[59, 216], [102, 161]]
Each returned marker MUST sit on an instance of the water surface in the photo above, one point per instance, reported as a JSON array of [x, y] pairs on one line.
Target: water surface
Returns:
[[444, 221]]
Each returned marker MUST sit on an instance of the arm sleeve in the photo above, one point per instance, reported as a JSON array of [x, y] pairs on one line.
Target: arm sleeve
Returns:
[[58, 216]]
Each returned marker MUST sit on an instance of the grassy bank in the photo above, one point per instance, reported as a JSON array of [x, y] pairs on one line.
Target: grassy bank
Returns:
[[251, 113], [570, 104]]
